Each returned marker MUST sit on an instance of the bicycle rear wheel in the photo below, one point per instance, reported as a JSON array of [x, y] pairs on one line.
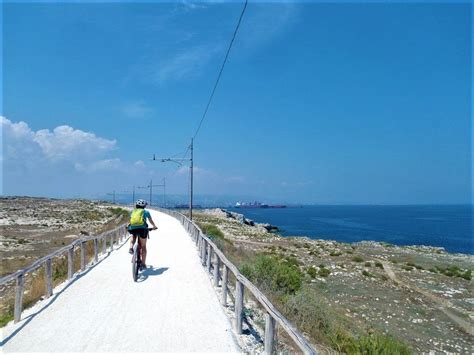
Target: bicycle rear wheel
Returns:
[[135, 262]]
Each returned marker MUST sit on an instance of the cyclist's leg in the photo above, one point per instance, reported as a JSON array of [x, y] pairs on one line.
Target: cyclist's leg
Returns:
[[132, 240], [143, 246]]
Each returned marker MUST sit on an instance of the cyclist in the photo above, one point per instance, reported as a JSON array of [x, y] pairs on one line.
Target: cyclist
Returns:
[[138, 227]]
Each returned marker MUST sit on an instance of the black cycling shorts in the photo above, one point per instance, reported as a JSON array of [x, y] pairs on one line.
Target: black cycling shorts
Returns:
[[140, 232]]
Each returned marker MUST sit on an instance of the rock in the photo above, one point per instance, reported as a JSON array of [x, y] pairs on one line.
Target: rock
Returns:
[[249, 222], [269, 227]]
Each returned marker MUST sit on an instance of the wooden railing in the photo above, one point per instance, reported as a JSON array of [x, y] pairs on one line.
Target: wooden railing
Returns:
[[115, 236], [207, 249]]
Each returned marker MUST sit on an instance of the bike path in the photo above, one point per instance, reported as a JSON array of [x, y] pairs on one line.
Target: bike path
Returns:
[[173, 307]]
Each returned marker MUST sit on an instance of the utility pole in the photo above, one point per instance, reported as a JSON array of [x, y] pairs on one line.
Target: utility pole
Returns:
[[191, 184], [178, 161], [149, 186], [113, 198], [133, 194]]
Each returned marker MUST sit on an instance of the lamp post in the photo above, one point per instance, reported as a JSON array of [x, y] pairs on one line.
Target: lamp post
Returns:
[[191, 162]]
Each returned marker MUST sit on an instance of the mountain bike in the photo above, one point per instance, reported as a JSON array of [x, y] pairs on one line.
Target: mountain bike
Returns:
[[137, 256]]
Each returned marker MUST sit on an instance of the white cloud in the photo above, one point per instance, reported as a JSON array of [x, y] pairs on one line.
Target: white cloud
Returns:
[[63, 143], [139, 164], [100, 165], [137, 109], [185, 64]]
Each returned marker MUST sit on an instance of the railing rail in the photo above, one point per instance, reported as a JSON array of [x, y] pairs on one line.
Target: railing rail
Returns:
[[116, 235], [207, 249]]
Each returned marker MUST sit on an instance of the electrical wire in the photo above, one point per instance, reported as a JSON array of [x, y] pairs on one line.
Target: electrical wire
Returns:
[[220, 71]]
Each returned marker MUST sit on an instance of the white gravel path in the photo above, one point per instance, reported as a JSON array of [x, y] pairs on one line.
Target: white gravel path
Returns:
[[173, 309]]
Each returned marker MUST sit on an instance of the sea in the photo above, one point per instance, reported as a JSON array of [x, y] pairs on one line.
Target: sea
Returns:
[[447, 226]]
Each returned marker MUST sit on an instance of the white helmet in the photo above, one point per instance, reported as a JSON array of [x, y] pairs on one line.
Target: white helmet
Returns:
[[141, 203]]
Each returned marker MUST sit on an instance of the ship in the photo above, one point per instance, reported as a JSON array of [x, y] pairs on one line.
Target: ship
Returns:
[[256, 204]]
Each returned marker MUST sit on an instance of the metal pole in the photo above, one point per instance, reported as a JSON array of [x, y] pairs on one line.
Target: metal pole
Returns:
[[151, 189], [164, 192], [191, 174]]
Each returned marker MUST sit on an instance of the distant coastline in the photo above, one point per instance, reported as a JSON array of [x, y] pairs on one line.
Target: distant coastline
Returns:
[[441, 227]]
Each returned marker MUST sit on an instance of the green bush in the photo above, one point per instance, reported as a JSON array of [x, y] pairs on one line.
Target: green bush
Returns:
[[273, 273], [323, 272], [366, 273], [380, 344], [358, 259], [311, 271], [212, 231], [467, 275], [6, 316], [379, 265], [367, 264], [335, 253], [216, 235], [309, 312], [407, 268]]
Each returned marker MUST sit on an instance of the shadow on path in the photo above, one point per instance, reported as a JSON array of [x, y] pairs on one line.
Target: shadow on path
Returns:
[[151, 271]]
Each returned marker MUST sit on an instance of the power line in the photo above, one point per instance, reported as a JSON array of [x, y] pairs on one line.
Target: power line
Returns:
[[220, 71]]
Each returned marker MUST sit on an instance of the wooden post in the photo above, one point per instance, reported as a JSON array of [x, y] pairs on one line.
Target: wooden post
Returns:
[[203, 252], [96, 250], [217, 267], [239, 306], [70, 263], [225, 277], [83, 256], [49, 277], [20, 282], [269, 334], [104, 244], [209, 256]]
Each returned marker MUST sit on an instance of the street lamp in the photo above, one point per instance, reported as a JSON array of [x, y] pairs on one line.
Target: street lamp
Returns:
[[178, 161]]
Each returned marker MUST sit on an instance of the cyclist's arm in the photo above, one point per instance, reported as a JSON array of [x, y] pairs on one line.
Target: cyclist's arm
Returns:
[[152, 223]]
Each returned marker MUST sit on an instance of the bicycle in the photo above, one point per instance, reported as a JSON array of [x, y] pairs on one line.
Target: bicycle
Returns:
[[137, 257]]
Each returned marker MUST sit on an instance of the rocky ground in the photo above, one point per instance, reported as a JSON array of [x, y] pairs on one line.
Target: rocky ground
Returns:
[[34, 227], [421, 295]]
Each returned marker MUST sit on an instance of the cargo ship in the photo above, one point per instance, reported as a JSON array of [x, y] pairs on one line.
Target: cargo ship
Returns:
[[256, 204]]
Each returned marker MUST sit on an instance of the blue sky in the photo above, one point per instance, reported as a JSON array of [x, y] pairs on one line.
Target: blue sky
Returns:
[[318, 103]]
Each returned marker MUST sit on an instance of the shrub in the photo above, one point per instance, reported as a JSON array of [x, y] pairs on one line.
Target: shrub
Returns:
[[366, 273], [379, 265], [380, 344], [358, 259], [367, 264], [216, 235], [323, 272], [335, 253], [433, 270], [467, 275], [6, 316], [311, 271], [273, 273], [407, 268]]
